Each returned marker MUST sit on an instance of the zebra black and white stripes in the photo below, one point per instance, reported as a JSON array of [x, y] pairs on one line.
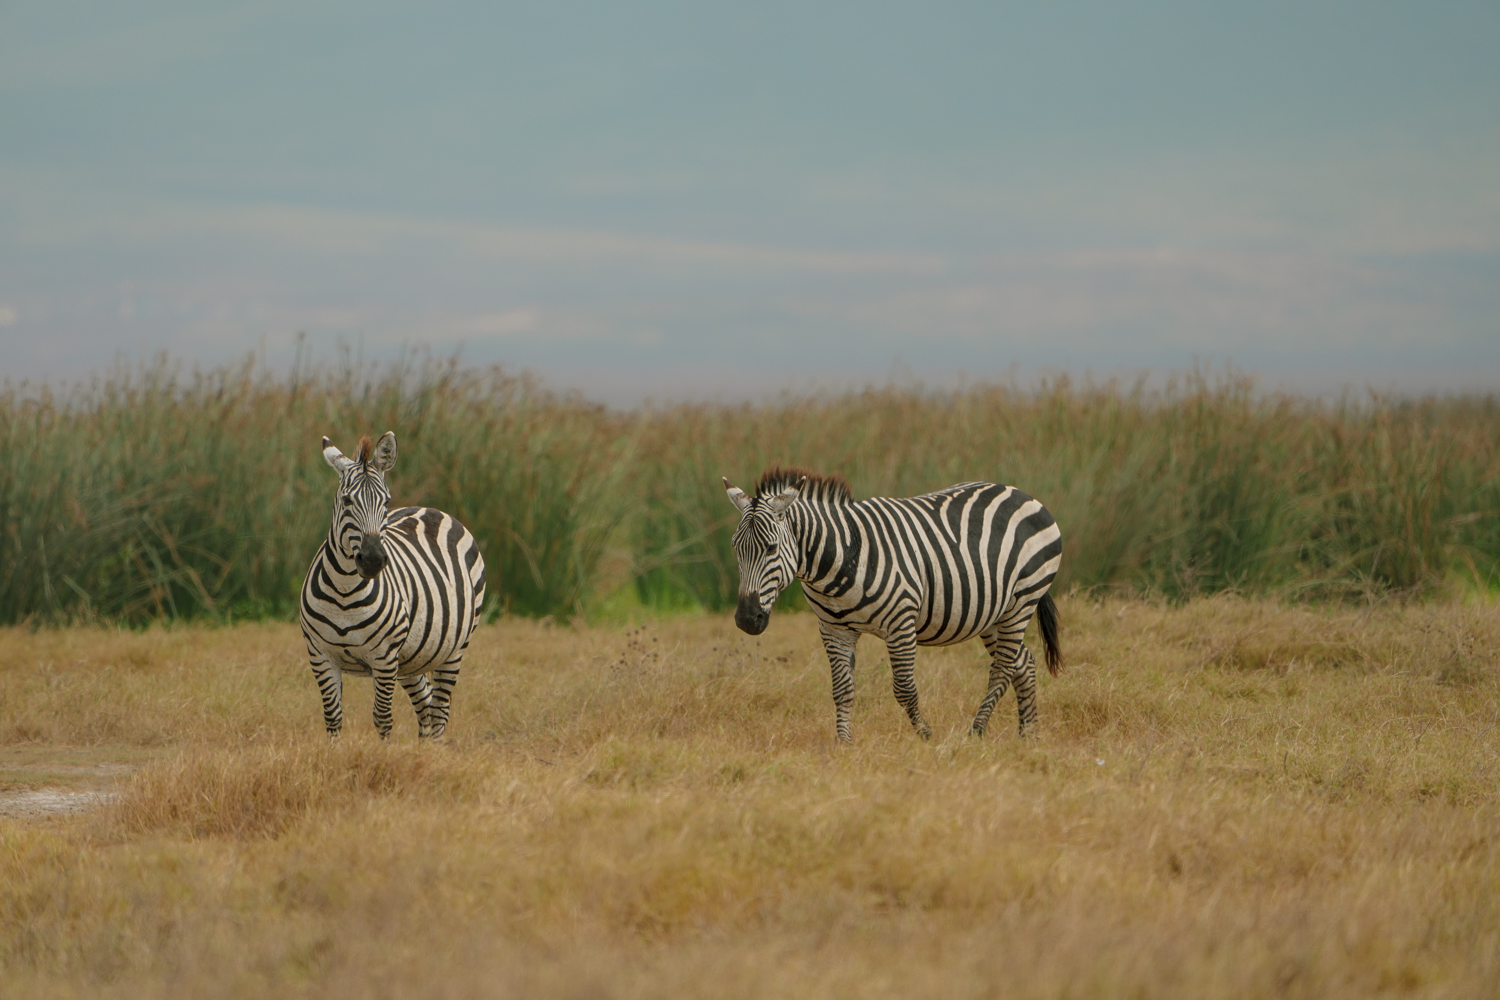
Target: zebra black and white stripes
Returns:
[[974, 559], [390, 595]]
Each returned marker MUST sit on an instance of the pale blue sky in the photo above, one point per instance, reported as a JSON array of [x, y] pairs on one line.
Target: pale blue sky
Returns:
[[689, 199]]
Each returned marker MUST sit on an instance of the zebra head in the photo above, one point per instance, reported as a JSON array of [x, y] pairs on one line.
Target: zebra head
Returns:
[[762, 544], [360, 504]]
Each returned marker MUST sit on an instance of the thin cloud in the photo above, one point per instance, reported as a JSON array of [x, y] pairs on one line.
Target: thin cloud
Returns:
[[1176, 298], [507, 323], [363, 234]]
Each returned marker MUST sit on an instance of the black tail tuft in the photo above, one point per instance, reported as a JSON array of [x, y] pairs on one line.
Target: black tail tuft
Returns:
[[1046, 617]]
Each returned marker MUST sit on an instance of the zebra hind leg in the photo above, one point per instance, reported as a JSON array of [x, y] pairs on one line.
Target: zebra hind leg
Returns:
[[444, 678], [902, 648], [1003, 648], [1023, 676], [419, 690], [994, 691]]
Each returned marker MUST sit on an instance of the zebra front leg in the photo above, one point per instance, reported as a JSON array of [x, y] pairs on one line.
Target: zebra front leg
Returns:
[[385, 689], [331, 687], [444, 679], [901, 645], [839, 643], [419, 690], [1002, 647], [1023, 676]]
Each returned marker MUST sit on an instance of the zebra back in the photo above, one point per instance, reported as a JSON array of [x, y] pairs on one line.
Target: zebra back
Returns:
[[964, 558]]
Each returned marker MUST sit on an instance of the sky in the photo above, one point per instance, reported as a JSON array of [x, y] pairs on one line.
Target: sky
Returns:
[[724, 200]]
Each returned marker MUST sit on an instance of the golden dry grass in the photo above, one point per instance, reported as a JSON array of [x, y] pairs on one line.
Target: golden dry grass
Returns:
[[1231, 798]]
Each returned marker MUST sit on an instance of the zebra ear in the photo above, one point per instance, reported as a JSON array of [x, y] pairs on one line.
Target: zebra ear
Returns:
[[385, 452], [737, 496], [786, 497], [335, 458]]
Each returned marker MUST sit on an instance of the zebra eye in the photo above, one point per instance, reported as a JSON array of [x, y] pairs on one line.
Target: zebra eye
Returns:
[[348, 500]]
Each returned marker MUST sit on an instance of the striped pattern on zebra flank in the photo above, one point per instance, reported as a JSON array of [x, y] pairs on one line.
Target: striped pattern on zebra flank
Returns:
[[972, 560], [392, 594]]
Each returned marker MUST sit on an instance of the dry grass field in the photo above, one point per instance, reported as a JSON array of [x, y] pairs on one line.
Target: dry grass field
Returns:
[[1228, 798]]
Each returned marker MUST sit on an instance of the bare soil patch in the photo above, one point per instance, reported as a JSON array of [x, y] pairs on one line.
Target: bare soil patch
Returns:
[[37, 782]]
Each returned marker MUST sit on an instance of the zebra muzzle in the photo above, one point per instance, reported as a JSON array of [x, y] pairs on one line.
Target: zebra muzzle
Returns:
[[750, 616], [372, 558]]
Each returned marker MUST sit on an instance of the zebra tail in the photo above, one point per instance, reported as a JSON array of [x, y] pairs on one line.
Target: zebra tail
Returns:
[[1046, 616]]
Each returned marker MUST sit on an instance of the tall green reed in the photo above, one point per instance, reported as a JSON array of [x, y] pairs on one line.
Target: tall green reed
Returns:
[[1200, 486], [151, 493]]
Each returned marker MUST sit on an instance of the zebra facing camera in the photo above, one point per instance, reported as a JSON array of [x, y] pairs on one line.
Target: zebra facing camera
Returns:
[[411, 625]]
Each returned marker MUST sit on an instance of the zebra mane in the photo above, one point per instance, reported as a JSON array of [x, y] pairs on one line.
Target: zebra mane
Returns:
[[819, 488], [365, 444]]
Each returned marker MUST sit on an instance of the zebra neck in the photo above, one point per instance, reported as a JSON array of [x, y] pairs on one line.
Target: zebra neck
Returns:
[[340, 566], [822, 532]]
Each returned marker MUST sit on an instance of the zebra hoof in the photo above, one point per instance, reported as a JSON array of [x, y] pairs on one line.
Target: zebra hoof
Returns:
[[977, 732], [925, 732]]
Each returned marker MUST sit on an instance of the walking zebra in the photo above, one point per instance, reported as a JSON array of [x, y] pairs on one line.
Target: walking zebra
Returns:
[[392, 596], [974, 559]]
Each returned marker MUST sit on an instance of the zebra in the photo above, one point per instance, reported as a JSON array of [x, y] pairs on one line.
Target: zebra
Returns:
[[975, 559], [390, 595]]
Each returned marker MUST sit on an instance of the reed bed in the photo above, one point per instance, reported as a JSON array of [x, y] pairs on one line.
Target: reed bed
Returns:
[[154, 493]]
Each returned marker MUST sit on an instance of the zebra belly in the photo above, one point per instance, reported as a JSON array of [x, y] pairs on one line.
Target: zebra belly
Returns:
[[353, 660], [412, 658], [429, 556], [938, 627], [938, 639], [419, 656], [353, 650], [928, 638], [883, 633]]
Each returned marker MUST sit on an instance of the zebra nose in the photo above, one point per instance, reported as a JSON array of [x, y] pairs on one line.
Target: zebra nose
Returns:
[[750, 617], [371, 559]]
